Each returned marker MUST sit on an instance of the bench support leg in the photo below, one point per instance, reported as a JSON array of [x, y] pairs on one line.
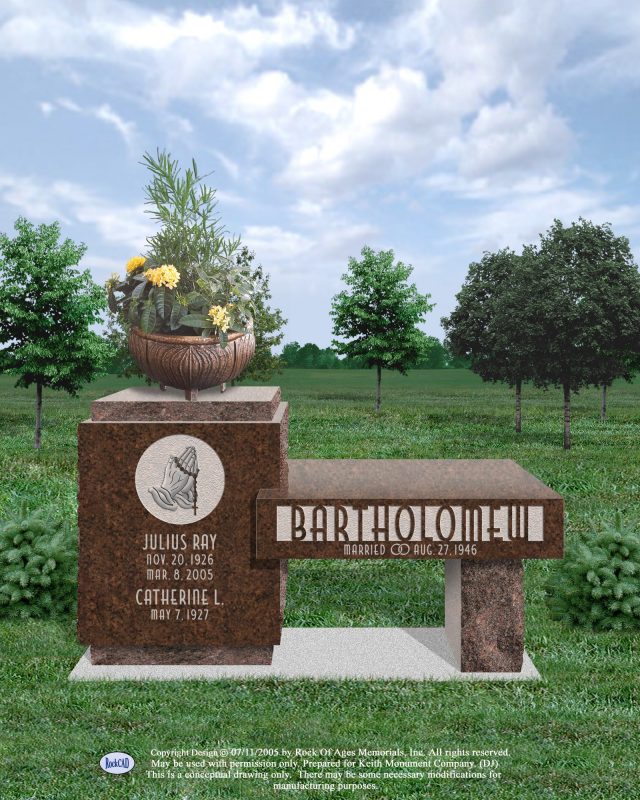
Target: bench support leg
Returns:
[[484, 614]]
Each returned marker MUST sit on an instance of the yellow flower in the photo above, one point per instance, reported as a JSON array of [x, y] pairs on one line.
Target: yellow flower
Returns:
[[134, 263], [220, 317], [166, 275]]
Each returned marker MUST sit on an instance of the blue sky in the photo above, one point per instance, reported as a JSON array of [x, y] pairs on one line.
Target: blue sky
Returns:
[[437, 129]]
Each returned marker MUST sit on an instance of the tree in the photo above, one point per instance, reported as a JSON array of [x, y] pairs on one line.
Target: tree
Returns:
[[267, 322], [120, 363], [290, 354], [328, 359], [456, 362], [584, 293], [487, 325], [47, 308], [377, 314], [308, 356], [435, 356]]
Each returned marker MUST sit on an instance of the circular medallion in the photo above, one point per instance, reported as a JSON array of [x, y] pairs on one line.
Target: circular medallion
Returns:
[[180, 479]]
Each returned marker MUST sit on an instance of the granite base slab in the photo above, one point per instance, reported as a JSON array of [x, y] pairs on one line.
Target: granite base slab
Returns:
[[180, 655], [418, 654]]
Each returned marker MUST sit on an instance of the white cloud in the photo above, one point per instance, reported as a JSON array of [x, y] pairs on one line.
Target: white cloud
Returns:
[[69, 105], [427, 97], [118, 225], [27, 196], [276, 245], [456, 98], [230, 198], [102, 267], [126, 129], [72, 203], [475, 96], [387, 129], [611, 59], [309, 209], [246, 27], [182, 125], [325, 243], [520, 219], [104, 113], [488, 188], [54, 29], [510, 139], [231, 166]]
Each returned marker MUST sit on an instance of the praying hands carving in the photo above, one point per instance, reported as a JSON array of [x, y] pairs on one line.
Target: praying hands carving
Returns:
[[179, 484]]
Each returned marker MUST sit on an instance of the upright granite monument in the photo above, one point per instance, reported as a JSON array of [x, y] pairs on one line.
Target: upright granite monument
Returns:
[[167, 488], [188, 512]]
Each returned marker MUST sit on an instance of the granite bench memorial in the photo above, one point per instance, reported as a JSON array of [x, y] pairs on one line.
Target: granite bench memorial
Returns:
[[189, 512]]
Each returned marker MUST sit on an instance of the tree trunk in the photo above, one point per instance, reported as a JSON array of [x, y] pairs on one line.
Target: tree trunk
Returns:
[[518, 406], [36, 441], [567, 417], [379, 379], [603, 404]]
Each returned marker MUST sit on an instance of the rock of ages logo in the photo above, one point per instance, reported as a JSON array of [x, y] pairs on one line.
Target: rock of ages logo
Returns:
[[180, 479]]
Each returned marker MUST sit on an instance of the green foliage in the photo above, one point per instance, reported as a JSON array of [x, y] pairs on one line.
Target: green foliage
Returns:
[[209, 275], [565, 313], [310, 356], [120, 363], [435, 356], [46, 310], [583, 306], [576, 729], [486, 326], [598, 582], [290, 354], [378, 313], [438, 356], [37, 566], [184, 206], [267, 322]]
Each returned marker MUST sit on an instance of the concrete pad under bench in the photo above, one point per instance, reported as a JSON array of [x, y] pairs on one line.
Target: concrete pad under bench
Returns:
[[387, 654]]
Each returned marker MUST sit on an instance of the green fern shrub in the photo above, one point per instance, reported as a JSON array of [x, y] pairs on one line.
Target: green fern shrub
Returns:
[[598, 582], [38, 566]]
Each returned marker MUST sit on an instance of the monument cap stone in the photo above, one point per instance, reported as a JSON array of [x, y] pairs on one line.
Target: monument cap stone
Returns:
[[148, 404]]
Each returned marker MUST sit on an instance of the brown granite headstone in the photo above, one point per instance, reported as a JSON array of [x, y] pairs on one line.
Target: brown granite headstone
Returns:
[[483, 516], [167, 488], [188, 512]]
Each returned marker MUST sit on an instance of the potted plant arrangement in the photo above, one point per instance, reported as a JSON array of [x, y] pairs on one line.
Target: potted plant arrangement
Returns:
[[186, 304]]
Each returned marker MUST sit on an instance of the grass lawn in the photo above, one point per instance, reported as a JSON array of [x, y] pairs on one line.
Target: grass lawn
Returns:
[[575, 733]]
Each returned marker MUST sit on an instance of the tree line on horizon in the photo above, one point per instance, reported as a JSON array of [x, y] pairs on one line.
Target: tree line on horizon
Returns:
[[563, 313], [311, 356]]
